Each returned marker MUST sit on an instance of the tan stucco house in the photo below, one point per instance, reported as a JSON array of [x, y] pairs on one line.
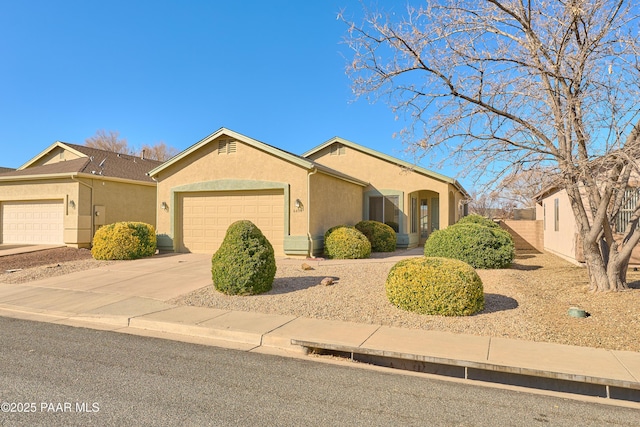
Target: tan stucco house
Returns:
[[294, 199], [62, 195], [561, 234]]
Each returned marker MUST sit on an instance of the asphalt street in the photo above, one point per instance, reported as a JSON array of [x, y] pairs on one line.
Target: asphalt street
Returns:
[[59, 375]]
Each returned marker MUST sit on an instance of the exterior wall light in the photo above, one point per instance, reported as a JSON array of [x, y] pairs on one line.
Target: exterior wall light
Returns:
[[72, 204], [298, 204], [164, 206]]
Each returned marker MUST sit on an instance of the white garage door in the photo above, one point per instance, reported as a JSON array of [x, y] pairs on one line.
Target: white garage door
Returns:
[[36, 222], [206, 217]]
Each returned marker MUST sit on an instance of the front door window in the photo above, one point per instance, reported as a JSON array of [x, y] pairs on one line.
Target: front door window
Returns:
[[424, 218]]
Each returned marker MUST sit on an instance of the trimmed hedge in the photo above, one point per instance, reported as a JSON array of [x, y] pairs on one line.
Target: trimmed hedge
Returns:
[[478, 219], [245, 263], [441, 286], [381, 236], [477, 245], [124, 240], [394, 225], [346, 242]]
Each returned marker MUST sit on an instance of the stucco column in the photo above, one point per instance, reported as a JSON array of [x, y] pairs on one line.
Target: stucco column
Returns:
[[444, 208]]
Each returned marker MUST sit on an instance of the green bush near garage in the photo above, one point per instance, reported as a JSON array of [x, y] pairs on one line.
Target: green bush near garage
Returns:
[[346, 242], [435, 286], [477, 245], [245, 263], [124, 240], [381, 236]]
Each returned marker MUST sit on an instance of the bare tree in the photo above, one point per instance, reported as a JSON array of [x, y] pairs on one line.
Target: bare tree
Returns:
[[108, 141], [159, 151], [507, 84], [520, 187], [111, 141]]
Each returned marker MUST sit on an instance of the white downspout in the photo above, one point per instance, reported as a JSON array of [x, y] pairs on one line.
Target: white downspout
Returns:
[[309, 238]]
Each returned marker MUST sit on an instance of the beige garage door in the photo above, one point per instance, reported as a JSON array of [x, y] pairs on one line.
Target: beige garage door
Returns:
[[206, 217], [36, 222]]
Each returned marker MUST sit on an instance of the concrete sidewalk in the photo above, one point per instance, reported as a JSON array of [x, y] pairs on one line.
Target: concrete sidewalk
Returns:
[[129, 297]]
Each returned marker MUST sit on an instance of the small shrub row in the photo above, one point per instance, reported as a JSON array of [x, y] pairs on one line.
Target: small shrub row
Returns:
[[381, 236], [346, 242]]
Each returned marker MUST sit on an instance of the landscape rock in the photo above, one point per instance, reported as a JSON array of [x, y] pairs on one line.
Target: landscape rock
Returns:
[[327, 281]]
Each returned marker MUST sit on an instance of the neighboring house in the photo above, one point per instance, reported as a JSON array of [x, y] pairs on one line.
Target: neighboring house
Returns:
[[3, 170], [228, 176], [561, 235], [66, 192]]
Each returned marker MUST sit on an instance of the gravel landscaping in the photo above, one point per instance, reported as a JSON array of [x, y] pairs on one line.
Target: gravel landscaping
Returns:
[[527, 301]]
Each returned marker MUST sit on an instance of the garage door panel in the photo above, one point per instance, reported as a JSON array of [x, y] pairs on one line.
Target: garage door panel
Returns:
[[32, 222], [203, 231]]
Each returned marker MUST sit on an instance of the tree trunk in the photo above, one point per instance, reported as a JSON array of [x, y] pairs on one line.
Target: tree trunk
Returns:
[[605, 277]]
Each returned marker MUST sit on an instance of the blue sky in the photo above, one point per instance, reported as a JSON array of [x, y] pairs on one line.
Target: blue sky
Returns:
[[176, 71]]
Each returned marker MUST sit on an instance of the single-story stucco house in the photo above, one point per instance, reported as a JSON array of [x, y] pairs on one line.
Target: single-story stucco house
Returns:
[[62, 195], [561, 235], [294, 199]]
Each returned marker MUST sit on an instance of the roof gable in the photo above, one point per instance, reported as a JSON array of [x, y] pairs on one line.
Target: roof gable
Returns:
[[88, 161], [387, 158], [284, 155]]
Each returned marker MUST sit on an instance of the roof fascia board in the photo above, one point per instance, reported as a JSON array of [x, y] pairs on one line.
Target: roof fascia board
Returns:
[[307, 164], [74, 175], [48, 150], [336, 174]]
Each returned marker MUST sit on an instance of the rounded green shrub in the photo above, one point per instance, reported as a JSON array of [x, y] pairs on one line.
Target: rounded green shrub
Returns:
[[124, 240], [475, 244], [245, 263], [394, 225], [332, 229], [381, 236], [478, 219], [346, 243], [442, 286]]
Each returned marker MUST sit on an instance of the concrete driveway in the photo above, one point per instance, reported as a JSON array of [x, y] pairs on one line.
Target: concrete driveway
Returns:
[[160, 277]]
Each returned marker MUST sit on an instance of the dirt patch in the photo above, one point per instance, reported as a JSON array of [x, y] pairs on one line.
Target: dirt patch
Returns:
[[26, 267], [45, 257]]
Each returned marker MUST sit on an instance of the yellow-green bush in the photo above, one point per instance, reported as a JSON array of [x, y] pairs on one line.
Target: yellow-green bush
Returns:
[[124, 240], [442, 286], [381, 236], [245, 263], [345, 242]]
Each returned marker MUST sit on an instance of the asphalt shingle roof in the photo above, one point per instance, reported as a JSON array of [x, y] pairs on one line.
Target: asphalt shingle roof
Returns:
[[98, 162]]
